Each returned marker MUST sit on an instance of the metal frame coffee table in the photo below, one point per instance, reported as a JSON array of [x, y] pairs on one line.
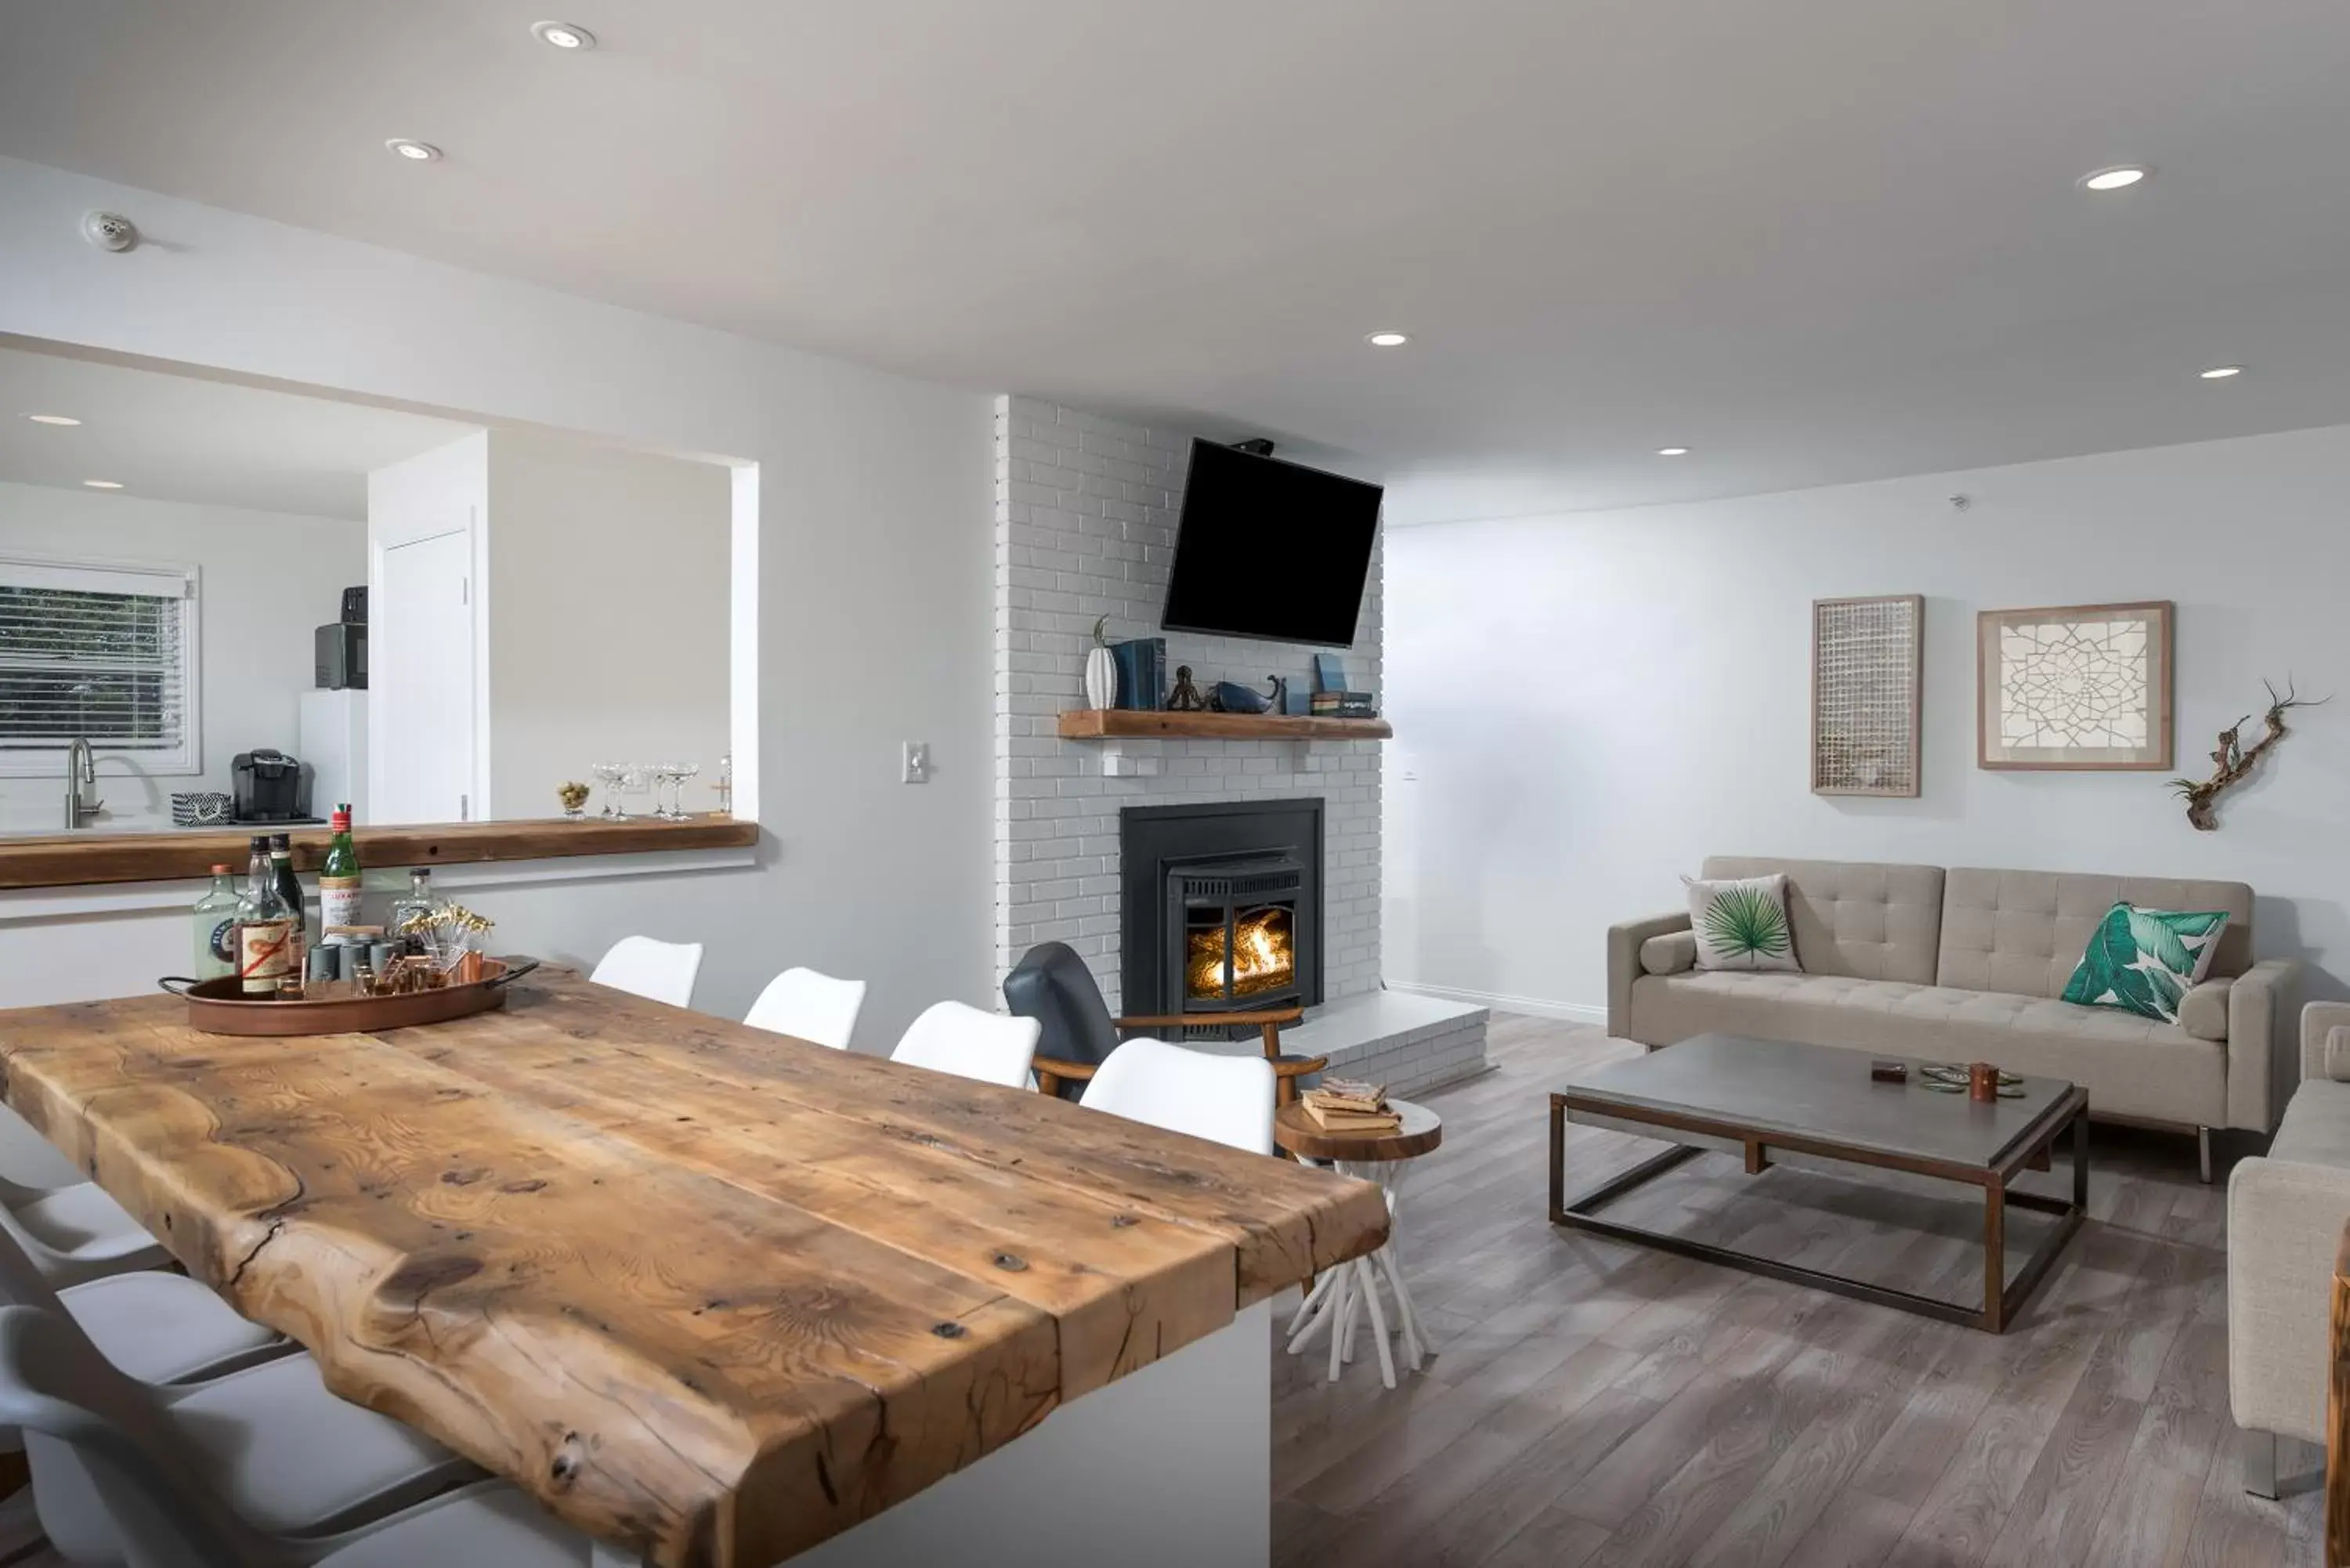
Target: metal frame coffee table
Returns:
[[1770, 1099]]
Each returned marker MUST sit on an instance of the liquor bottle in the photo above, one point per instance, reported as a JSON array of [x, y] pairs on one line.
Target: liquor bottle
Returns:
[[289, 888], [339, 878], [216, 927], [265, 928], [417, 900]]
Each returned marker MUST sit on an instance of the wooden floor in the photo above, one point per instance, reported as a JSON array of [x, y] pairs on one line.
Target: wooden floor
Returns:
[[1596, 1403]]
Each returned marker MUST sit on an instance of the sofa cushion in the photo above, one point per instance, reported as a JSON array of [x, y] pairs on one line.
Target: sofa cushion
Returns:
[[2022, 931], [1742, 924], [2316, 1126], [1858, 917], [2131, 1067], [1668, 954], [2203, 1010], [2146, 961]]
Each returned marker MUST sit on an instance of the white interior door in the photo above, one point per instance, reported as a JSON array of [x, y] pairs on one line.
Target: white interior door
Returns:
[[421, 680]]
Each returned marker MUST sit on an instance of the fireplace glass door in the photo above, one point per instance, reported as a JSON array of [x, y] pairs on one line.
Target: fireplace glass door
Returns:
[[1231, 954]]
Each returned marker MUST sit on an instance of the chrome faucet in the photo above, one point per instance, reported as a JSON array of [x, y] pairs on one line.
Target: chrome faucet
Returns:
[[82, 770]]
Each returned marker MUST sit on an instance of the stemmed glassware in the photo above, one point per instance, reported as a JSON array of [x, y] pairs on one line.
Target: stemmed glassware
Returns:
[[609, 775], [685, 774]]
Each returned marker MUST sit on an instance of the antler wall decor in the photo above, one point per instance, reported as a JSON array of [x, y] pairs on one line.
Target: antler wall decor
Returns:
[[2233, 763]]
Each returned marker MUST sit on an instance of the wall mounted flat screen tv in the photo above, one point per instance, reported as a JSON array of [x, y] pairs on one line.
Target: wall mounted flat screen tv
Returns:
[[1270, 549]]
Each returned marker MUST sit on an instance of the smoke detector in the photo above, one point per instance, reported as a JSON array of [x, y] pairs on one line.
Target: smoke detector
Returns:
[[109, 231]]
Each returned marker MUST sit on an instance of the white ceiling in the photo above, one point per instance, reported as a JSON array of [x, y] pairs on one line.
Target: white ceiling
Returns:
[[1816, 240], [178, 438]]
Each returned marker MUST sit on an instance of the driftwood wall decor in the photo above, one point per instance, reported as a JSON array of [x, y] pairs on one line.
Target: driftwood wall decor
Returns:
[[2233, 763]]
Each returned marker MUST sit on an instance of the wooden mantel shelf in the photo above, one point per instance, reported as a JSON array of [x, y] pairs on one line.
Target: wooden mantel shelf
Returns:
[[77, 859], [1137, 725]]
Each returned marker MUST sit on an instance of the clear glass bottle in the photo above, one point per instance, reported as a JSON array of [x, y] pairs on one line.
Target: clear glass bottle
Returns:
[[417, 900], [264, 927], [215, 922]]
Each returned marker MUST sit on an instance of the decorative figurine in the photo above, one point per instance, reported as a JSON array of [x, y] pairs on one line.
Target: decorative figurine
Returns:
[[574, 798], [1185, 698], [1232, 697], [1101, 669]]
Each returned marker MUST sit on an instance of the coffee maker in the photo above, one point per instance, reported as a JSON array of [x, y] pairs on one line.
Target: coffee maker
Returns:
[[268, 786]]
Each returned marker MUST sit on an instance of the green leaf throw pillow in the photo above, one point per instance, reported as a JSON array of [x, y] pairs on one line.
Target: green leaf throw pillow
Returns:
[[1743, 924], [2144, 960]]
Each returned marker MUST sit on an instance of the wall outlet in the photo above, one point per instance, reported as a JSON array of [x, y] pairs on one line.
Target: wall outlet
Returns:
[[917, 764]]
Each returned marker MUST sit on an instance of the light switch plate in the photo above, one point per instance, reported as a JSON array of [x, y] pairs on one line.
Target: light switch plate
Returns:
[[917, 765]]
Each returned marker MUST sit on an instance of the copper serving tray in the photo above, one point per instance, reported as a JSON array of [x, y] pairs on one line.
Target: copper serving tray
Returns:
[[336, 1007]]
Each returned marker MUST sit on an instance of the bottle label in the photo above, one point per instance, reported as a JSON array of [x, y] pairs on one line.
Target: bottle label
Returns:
[[339, 903], [222, 942], [264, 955]]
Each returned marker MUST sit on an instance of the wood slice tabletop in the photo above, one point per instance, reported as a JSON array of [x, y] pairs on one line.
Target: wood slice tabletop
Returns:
[[705, 1290], [1295, 1129]]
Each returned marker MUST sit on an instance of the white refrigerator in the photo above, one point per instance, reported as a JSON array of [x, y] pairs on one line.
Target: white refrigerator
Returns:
[[333, 741]]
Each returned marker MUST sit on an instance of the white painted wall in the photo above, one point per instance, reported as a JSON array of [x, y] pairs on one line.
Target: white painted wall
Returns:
[[873, 495], [1587, 705], [266, 580], [427, 707], [607, 631]]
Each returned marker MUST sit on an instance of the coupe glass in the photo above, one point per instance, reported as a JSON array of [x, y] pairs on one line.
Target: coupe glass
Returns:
[[610, 774], [665, 777], [686, 774]]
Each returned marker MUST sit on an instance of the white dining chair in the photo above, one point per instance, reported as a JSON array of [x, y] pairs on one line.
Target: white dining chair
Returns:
[[1225, 1099], [77, 1233], [30, 1160], [153, 1326], [955, 1037], [809, 1006], [280, 1457], [657, 971], [164, 1485]]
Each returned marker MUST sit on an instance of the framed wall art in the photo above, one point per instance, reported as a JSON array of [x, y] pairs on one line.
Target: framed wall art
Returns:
[[1867, 658], [2078, 687]]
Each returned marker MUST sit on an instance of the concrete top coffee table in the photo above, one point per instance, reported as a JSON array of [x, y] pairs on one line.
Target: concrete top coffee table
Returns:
[[1759, 1098]]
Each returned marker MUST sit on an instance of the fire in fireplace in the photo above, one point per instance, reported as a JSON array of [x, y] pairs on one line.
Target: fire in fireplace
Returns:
[[1248, 952], [1221, 906]]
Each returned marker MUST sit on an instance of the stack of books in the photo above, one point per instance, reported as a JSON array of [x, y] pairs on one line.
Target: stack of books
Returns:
[[1345, 705], [1342, 1104]]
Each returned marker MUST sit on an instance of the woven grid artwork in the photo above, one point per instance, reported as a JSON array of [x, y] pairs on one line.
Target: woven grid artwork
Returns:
[[2079, 688], [1865, 695]]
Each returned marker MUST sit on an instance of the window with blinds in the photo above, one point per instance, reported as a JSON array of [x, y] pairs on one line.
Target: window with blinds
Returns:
[[101, 652]]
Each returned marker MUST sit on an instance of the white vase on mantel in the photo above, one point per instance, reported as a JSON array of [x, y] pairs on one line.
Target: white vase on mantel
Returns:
[[1101, 670]]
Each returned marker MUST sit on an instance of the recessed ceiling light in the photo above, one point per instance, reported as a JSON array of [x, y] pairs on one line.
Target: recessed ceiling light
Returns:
[[415, 151], [1672, 451], [2221, 372], [1387, 340], [53, 419], [2119, 177], [103, 483], [563, 35]]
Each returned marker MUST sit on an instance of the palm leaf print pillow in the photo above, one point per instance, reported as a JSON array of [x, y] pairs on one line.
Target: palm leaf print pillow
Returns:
[[1743, 924]]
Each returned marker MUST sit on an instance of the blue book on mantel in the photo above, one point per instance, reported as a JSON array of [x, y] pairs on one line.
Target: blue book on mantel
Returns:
[[1141, 671]]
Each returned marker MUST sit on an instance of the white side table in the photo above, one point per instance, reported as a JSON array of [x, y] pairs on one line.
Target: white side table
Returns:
[[1344, 1294]]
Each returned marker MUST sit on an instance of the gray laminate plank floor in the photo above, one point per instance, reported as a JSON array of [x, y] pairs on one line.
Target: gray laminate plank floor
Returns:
[[1597, 1403]]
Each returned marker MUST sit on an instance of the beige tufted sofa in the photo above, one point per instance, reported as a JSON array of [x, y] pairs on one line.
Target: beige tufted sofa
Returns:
[[1967, 965]]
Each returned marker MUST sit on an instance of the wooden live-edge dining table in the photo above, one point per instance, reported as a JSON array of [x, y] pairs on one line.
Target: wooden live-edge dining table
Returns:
[[710, 1294]]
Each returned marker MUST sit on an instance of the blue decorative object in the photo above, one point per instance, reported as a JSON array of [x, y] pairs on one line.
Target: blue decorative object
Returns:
[[1232, 697], [1329, 672]]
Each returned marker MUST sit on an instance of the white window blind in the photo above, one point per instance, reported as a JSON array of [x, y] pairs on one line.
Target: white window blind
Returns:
[[96, 650]]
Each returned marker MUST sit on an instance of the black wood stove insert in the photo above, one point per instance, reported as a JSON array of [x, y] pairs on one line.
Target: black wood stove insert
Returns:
[[1221, 906]]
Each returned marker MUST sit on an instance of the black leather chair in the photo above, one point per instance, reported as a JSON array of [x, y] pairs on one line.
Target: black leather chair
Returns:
[[1052, 985]]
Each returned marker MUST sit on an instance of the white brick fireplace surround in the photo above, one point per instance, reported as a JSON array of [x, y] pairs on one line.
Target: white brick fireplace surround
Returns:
[[1085, 511]]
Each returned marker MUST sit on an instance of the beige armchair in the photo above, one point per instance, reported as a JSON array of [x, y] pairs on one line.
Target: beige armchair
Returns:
[[2285, 1219]]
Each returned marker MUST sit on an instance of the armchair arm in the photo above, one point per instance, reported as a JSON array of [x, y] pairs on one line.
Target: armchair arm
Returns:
[[2284, 1222], [2260, 1070], [1623, 965], [1052, 1072], [2319, 1019], [1276, 1016]]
